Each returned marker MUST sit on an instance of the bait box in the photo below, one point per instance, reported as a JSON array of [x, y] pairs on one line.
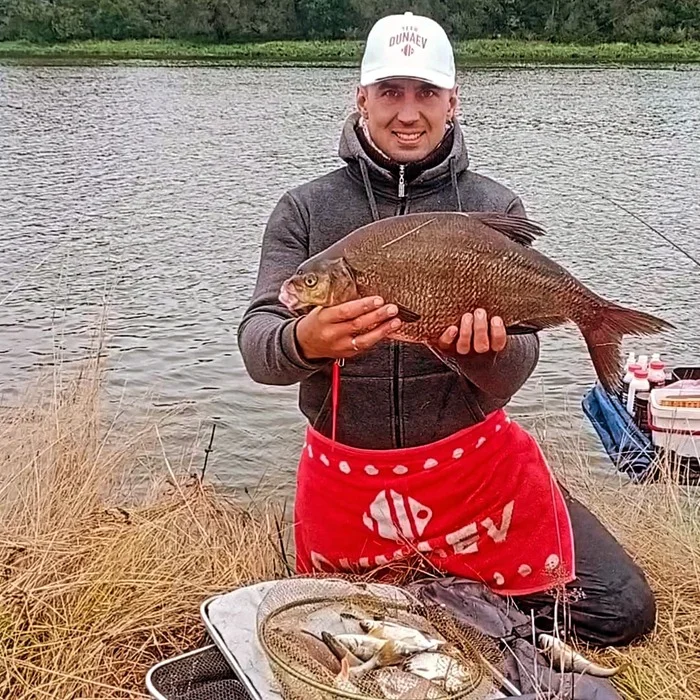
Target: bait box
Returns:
[[676, 428]]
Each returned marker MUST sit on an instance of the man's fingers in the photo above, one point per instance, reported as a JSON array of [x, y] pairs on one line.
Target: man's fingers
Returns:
[[350, 310], [368, 340], [447, 338], [481, 332], [464, 341], [498, 334], [373, 318]]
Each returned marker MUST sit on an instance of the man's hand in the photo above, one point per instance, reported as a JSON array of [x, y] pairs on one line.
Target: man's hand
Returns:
[[475, 333], [346, 329]]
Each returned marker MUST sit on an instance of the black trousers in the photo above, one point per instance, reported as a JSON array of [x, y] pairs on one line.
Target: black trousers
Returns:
[[610, 602]]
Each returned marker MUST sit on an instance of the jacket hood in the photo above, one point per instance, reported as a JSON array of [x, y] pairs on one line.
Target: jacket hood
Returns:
[[363, 166]]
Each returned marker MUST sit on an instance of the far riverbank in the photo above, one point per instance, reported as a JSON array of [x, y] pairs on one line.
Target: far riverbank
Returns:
[[474, 52]]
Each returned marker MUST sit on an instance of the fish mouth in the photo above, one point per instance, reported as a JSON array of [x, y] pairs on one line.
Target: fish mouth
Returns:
[[288, 296]]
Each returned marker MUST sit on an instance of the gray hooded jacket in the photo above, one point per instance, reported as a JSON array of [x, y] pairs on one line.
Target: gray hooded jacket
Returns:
[[394, 395]]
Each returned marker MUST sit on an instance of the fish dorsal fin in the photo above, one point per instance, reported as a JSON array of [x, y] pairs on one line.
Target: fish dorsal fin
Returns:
[[517, 228]]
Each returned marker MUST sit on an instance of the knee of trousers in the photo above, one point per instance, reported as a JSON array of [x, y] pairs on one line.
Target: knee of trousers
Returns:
[[634, 614]]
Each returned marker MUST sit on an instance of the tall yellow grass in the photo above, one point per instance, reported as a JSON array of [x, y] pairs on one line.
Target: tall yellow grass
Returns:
[[659, 525], [99, 581], [97, 585]]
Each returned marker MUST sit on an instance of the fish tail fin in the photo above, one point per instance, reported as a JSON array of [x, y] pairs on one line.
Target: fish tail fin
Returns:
[[604, 335], [390, 654]]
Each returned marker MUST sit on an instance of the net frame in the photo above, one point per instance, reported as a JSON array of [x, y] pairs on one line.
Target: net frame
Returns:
[[301, 679]]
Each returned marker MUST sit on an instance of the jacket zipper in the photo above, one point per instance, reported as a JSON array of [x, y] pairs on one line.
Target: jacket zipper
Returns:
[[396, 389]]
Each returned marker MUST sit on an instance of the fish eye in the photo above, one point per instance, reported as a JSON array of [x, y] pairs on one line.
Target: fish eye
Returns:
[[310, 280]]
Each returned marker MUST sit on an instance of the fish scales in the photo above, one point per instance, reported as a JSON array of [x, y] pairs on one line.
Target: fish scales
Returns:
[[495, 283], [438, 266]]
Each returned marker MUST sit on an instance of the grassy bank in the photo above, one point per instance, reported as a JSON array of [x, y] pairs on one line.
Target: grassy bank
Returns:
[[481, 51], [99, 581]]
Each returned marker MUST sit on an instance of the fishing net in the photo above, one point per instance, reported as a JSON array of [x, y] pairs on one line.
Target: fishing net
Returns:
[[200, 675], [296, 612]]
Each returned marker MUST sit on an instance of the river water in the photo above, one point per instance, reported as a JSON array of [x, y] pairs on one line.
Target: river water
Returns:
[[143, 190]]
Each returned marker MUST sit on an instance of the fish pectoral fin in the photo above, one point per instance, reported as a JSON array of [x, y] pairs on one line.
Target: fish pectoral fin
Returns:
[[390, 654], [406, 315], [518, 228], [534, 325]]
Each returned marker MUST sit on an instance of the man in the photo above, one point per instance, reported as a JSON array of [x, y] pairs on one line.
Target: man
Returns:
[[424, 461]]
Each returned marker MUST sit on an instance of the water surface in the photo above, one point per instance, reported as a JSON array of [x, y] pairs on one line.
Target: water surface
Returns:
[[146, 188]]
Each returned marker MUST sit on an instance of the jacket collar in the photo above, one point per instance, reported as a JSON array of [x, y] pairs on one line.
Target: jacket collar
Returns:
[[431, 173]]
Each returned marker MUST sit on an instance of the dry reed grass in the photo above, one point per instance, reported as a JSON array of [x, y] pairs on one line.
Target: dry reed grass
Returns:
[[97, 585], [659, 525]]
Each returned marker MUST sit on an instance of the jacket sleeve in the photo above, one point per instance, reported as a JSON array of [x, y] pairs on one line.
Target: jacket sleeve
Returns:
[[501, 374], [266, 334]]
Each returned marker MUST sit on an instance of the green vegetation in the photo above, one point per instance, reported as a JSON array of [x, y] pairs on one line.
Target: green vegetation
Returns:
[[346, 52], [225, 21]]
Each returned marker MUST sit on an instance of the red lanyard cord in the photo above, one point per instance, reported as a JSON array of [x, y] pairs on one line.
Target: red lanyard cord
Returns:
[[335, 393]]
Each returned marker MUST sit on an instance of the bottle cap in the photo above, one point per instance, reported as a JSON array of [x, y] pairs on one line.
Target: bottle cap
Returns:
[[634, 367], [656, 364], [640, 373]]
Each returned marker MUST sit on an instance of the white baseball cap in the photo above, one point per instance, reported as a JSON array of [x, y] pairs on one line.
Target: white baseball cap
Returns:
[[408, 46]]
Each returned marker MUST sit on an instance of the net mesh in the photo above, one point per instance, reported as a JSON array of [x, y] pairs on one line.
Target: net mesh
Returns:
[[203, 675], [306, 626]]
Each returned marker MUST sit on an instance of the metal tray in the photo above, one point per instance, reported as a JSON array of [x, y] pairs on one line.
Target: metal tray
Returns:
[[201, 674]]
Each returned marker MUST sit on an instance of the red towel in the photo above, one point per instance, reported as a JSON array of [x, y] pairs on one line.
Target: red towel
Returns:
[[481, 504]]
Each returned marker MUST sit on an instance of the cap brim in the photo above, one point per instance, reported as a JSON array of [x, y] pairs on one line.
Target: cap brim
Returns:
[[426, 75]]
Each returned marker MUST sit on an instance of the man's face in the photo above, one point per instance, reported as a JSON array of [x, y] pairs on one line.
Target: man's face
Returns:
[[406, 117]]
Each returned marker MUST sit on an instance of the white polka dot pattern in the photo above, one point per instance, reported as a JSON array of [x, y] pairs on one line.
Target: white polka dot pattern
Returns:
[[371, 470], [400, 469], [344, 467], [430, 463], [552, 562]]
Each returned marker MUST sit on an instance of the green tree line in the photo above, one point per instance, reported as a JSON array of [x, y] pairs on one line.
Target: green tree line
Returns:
[[585, 21]]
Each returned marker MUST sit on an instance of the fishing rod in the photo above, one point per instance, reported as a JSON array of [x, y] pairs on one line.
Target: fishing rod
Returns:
[[648, 225]]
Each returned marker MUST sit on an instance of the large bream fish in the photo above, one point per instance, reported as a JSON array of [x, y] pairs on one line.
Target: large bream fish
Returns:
[[437, 266]]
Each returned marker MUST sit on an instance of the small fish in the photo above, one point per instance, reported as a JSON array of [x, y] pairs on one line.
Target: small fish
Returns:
[[317, 650], [331, 621], [396, 684], [392, 653], [439, 668], [361, 646], [365, 653], [570, 660], [437, 266], [393, 631], [313, 646]]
